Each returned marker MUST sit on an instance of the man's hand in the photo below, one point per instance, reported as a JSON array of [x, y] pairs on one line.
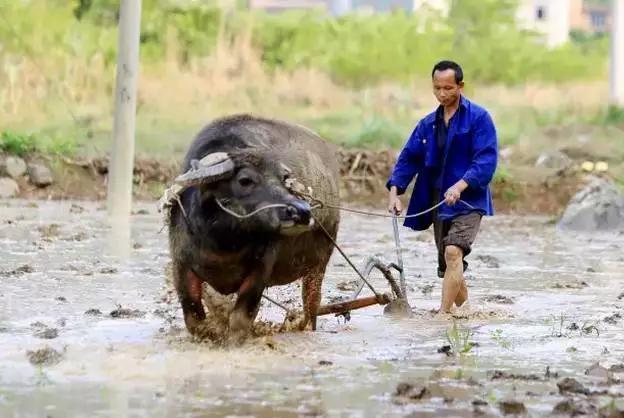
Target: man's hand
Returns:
[[394, 203], [454, 192]]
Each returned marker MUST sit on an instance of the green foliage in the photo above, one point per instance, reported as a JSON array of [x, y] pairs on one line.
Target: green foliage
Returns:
[[16, 143], [60, 145], [355, 49], [22, 144], [481, 35], [614, 116], [502, 175], [377, 132]]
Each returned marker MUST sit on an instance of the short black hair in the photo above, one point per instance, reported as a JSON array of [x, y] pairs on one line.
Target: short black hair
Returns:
[[449, 65]]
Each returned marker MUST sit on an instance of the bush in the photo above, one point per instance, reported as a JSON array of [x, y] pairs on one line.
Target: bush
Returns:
[[18, 144]]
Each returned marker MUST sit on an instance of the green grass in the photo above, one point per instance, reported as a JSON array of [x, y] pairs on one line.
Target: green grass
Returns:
[[17, 143]]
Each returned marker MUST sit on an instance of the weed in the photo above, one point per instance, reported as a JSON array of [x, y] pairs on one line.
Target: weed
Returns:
[[459, 339], [504, 342]]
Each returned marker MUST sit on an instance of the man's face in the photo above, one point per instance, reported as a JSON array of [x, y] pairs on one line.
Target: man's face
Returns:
[[445, 88]]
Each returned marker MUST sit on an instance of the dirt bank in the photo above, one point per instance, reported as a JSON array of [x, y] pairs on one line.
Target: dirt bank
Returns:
[[526, 190]]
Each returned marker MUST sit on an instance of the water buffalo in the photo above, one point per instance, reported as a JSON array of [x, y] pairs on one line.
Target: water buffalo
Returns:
[[238, 165]]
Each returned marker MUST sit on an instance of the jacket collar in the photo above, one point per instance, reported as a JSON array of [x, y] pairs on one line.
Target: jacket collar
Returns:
[[463, 103]]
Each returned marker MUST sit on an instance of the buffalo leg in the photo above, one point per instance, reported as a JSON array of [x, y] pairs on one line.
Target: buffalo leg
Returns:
[[189, 288], [311, 294], [246, 308]]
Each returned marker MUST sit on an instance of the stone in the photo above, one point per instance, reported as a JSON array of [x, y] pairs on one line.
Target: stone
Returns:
[[14, 167], [8, 187], [40, 175], [597, 207], [553, 159]]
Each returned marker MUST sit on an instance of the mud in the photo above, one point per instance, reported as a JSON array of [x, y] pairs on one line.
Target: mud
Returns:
[[143, 362]]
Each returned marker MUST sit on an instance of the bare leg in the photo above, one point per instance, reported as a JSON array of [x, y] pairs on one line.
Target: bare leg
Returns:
[[452, 290], [462, 295]]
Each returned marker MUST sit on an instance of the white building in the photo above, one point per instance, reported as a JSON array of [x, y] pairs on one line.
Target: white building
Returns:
[[549, 17]]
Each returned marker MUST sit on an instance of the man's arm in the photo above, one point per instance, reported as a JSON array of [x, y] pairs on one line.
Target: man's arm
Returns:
[[485, 154], [484, 160], [407, 166]]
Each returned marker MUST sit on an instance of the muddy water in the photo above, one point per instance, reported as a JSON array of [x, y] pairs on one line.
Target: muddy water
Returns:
[[538, 298]]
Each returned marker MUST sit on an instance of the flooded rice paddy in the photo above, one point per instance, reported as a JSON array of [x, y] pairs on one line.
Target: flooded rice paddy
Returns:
[[90, 328]]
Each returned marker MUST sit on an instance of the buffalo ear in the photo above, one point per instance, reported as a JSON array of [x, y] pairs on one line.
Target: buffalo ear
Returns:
[[210, 169]]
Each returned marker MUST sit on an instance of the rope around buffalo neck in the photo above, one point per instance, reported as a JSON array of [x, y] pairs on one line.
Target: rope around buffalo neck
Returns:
[[250, 214]]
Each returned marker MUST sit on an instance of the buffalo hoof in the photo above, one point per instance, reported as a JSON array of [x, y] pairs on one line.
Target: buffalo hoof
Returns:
[[295, 321]]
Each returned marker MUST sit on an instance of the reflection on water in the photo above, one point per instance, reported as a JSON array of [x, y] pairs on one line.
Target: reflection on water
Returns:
[[541, 298]]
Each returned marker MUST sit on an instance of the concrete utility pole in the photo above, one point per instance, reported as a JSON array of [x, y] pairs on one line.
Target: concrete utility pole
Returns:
[[617, 53], [122, 153]]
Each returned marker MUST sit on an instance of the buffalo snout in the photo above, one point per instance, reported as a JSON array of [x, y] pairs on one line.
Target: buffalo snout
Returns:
[[296, 212]]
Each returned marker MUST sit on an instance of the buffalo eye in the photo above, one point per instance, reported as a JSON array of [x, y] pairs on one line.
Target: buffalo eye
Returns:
[[245, 181]]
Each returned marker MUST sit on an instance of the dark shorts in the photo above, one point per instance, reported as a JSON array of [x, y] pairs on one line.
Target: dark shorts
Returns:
[[460, 231]]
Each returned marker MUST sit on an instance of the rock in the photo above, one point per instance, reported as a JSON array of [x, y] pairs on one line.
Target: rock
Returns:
[[446, 349], [499, 299], [573, 408], [18, 271], [489, 261], [613, 319], [40, 175], [411, 392], [512, 407], [14, 167], [599, 206], [617, 368], [8, 187], [553, 159], [47, 333], [570, 385], [76, 208], [93, 312], [127, 313]]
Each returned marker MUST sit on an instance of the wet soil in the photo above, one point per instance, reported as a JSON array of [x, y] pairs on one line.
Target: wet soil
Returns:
[[120, 347]]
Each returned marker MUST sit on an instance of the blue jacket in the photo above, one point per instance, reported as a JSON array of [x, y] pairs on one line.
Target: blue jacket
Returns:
[[470, 153]]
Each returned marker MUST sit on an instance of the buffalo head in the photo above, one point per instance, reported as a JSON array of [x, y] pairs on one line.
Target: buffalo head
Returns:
[[249, 187]]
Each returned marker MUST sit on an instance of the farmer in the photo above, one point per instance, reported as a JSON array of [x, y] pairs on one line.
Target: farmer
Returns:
[[453, 152]]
